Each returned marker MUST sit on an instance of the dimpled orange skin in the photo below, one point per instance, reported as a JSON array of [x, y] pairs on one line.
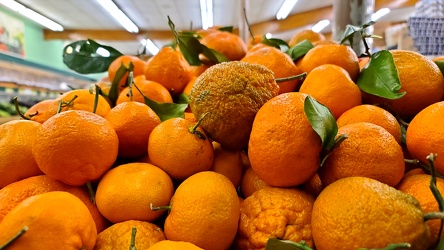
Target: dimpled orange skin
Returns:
[[273, 212], [369, 151], [284, 149], [174, 245], [359, 212], [75, 147], [118, 236], [425, 133], [55, 220], [205, 211]]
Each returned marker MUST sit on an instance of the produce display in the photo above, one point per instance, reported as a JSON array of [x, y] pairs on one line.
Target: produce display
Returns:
[[214, 143]]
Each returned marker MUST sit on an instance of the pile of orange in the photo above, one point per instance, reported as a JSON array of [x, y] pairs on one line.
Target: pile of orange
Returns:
[[242, 165]]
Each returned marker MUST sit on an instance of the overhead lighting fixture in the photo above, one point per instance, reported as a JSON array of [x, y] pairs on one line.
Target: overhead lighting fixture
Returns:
[[285, 9], [320, 25], [206, 12], [115, 12], [150, 46], [268, 35], [36, 17], [380, 13]]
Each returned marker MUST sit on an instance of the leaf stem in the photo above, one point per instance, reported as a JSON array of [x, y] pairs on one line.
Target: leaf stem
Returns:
[[431, 159], [17, 109], [96, 97], [173, 29], [133, 239], [249, 26], [153, 208], [9, 242], [434, 216], [92, 193], [65, 104], [286, 79]]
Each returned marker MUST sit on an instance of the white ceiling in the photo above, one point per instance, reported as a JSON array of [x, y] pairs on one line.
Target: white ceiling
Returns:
[[152, 14]]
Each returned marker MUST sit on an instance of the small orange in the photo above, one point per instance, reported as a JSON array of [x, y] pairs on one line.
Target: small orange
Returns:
[[16, 143], [252, 41], [169, 68], [309, 35], [139, 68], [179, 151], [198, 70], [153, 90], [251, 182], [413, 172], [55, 220], [83, 101], [332, 86], [369, 151], [283, 148], [204, 211], [41, 111], [127, 191], [118, 236], [372, 114], [133, 123], [228, 163], [75, 147], [189, 86], [273, 212], [313, 186], [226, 43], [174, 245]]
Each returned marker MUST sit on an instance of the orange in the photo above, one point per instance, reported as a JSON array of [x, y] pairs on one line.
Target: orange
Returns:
[[178, 151], [169, 68], [369, 151], [190, 117], [250, 183], [284, 149], [153, 90], [199, 69], [425, 132], [309, 35], [127, 191], [55, 220], [231, 93], [418, 186], [372, 114], [204, 211], [277, 61], [226, 43], [340, 55], [363, 62], [16, 143], [118, 236], [174, 245], [84, 101], [273, 212], [189, 86], [313, 186], [252, 41], [139, 68], [332, 86], [14, 193], [245, 161], [228, 163], [41, 111], [75, 147], [420, 78], [413, 172], [133, 123], [359, 212]]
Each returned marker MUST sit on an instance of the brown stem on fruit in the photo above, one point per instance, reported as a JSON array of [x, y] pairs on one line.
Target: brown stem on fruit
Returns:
[[96, 97], [434, 216], [411, 161], [328, 151], [249, 26], [9, 242], [153, 208], [193, 129], [92, 193], [290, 78], [133, 239], [431, 159], [130, 80], [17, 109], [65, 104], [390, 247]]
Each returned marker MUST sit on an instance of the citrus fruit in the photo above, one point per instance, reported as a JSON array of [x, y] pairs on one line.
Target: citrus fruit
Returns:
[[228, 163], [174, 245], [251, 182], [151, 89], [41, 111], [309, 35], [226, 43], [125, 60], [84, 100]]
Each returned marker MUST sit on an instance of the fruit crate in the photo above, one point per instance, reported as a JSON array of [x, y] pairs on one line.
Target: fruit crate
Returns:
[[427, 34]]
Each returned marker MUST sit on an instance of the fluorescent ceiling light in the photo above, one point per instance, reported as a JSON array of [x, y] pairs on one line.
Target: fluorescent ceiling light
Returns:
[[320, 25], [115, 12], [380, 13], [150, 46], [285, 9], [206, 12], [36, 17]]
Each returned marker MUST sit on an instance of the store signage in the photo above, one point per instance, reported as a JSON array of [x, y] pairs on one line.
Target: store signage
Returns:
[[12, 39]]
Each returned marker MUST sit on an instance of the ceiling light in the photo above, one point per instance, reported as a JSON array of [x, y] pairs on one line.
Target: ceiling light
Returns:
[[36, 17], [124, 20], [285, 9], [380, 13], [320, 25], [268, 35], [206, 12], [150, 46]]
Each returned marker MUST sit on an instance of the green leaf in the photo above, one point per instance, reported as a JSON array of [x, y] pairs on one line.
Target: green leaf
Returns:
[[115, 85], [182, 99], [274, 42], [227, 29], [440, 66], [300, 49], [277, 244], [403, 133], [190, 48], [322, 121], [351, 30], [380, 76], [166, 110], [82, 57], [213, 55]]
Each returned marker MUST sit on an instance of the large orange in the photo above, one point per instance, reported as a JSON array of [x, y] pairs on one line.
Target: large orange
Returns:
[[127, 191], [277, 61], [226, 43], [332, 86], [139, 68], [273, 212], [75, 147], [174, 245], [179, 152], [133, 123], [284, 149], [14, 193], [309, 35], [359, 212], [369, 151], [169, 68], [84, 101], [425, 134], [55, 220], [16, 143], [153, 90], [204, 211]]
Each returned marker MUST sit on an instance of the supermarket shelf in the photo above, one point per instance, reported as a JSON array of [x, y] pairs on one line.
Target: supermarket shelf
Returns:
[[9, 118]]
